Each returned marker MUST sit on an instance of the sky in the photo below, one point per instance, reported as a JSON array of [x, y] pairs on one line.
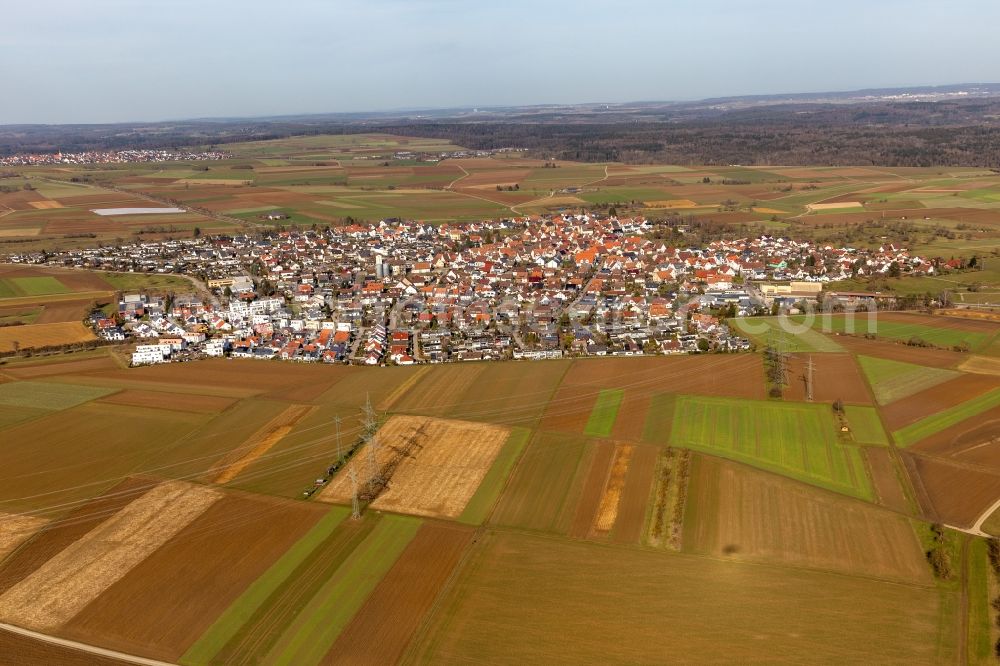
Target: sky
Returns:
[[93, 61]]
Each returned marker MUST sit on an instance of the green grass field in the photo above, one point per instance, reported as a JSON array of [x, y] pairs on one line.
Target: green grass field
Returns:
[[31, 286], [894, 330], [785, 331], [926, 427], [797, 440], [151, 281], [602, 417], [49, 396], [239, 613], [866, 427], [486, 495], [893, 380]]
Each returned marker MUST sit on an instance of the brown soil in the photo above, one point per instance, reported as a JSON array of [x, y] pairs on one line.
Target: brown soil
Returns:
[[742, 513], [25, 651], [64, 311], [569, 409], [936, 398], [64, 585], [631, 419], [170, 599], [737, 375], [953, 493], [635, 496], [888, 485], [182, 402], [593, 489], [935, 358], [835, 377], [382, 628], [60, 367], [258, 444], [59, 534], [975, 441]]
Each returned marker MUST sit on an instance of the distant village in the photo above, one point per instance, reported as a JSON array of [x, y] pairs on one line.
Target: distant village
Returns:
[[399, 292], [110, 157]]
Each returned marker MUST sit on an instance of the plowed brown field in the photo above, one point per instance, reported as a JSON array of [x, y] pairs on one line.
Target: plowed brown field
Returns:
[[383, 627], [164, 604], [64, 585], [181, 402], [934, 358], [25, 651], [937, 398], [952, 493], [835, 377]]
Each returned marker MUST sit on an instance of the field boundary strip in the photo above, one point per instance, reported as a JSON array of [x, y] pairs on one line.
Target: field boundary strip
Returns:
[[227, 625], [481, 503], [604, 412], [935, 423], [330, 610]]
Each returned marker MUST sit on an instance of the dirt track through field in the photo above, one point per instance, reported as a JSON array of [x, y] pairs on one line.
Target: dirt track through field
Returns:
[[259, 443], [65, 584]]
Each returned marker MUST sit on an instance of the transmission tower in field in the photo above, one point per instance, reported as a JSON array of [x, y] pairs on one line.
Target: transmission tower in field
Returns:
[[809, 379]]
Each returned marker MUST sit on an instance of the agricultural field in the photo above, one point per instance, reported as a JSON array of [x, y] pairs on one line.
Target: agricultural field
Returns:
[[795, 439], [46, 306], [438, 477], [658, 606], [192, 510]]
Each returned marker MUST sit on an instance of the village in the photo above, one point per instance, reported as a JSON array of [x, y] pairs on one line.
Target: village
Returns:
[[399, 292], [110, 157]]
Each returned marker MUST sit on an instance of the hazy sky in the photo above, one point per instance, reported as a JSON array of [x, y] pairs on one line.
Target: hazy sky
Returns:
[[125, 60]]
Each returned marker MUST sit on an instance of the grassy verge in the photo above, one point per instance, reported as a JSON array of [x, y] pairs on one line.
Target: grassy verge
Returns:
[[979, 645], [602, 416], [492, 484], [230, 622]]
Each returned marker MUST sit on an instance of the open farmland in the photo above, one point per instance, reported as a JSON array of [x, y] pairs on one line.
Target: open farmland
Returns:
[[742, 513], [798, 440], [815, 615], [64, 585], [893, 380], [626, 531], [206, 565], [438, 476]]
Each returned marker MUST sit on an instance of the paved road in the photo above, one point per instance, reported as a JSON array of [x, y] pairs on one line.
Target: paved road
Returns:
[[83, 647]]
